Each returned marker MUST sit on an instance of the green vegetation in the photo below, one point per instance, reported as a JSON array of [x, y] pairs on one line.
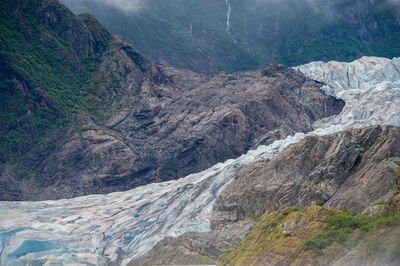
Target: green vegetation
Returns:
[[347, 230], [394, 250], [376, 245], [23, 171], [293, 32], [316, 234], [45, 79], [268, 241], [40, 189], [327, 177], [256, 217], [366, 146]]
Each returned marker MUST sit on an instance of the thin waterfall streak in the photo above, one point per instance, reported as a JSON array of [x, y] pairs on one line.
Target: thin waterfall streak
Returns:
[[228, 17]]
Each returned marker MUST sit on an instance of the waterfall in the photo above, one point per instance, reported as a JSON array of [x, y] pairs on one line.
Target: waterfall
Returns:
[[228, 17]]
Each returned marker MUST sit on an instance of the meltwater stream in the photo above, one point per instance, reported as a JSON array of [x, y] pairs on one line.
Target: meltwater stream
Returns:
[[114, 228]]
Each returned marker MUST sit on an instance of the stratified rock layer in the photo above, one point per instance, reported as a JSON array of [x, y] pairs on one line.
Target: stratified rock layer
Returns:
[[350, 169]]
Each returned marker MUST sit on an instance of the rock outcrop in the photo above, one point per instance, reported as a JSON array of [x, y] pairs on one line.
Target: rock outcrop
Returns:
[[131, 122], [351, 169]]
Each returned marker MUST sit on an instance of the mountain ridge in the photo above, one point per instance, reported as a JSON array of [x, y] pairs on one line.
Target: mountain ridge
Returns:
[[112, 120], [291, 32]]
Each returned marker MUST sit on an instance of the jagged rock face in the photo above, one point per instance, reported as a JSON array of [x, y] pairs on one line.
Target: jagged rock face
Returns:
[[350, 169], [186, 130], [174, 130], [159, 123]]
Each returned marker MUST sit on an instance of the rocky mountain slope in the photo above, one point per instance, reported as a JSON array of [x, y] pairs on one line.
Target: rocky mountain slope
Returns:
[[83, 112], [67, 134], [210, 36], [370, 87], [353, 169], [118, 227]]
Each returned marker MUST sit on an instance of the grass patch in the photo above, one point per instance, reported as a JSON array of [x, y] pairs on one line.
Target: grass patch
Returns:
[[327, 177], [256, 217], [376, 245], [394, 249], [39, 190], [366, 146], [347, 230], [24, 172]]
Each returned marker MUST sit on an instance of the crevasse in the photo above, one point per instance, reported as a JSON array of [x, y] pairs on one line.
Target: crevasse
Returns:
[[100, 229]]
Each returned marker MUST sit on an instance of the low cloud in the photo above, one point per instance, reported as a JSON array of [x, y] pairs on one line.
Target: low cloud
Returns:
[[124, 5], [127, 6], [395, 3]]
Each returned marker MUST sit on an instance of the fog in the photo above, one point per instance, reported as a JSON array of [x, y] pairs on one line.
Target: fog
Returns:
[[134, 6], [127, 6]]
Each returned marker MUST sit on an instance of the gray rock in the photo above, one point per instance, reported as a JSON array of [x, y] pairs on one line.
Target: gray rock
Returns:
[[351, 169]]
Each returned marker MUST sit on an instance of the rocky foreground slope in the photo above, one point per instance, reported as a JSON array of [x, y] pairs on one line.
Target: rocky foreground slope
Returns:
[[320, 236], [352, 169], [83, 112]]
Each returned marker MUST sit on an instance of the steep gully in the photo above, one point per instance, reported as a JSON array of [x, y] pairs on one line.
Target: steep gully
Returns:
[[114, 228]]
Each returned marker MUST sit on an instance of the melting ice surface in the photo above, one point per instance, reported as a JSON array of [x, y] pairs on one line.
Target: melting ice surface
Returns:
[[114, 228]]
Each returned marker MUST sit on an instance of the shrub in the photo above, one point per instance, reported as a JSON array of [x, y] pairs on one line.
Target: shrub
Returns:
[[347, 230], [256, 217]]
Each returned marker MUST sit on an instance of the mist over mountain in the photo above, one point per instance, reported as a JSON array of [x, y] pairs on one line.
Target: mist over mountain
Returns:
[[198, 34]]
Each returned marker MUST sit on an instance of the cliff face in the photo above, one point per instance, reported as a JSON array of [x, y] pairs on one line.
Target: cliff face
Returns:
[[352, 169], [84, 112]]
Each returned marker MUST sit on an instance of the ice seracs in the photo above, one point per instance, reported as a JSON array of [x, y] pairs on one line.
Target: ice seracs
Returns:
[[370, 86]]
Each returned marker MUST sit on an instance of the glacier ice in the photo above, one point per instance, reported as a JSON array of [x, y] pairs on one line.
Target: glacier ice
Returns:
[[113, 228], [370, 86]]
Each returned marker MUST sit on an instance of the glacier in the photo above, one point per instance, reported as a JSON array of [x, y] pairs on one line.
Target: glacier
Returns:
[[114, 228]]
